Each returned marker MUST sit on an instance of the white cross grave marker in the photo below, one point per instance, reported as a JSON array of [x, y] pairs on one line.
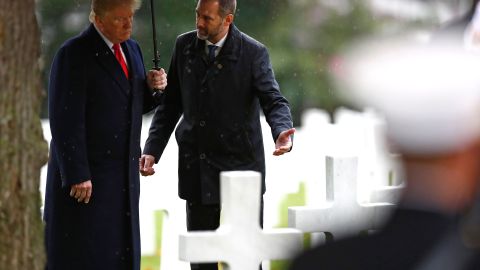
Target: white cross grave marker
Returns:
[[342, 215], [240, 242]]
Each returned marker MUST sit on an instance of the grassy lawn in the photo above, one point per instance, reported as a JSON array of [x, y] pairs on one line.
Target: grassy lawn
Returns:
[[293, 199], [153, 262]]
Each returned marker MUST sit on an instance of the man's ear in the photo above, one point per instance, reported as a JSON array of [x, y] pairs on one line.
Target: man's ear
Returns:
[[228, 19], [98, 22]]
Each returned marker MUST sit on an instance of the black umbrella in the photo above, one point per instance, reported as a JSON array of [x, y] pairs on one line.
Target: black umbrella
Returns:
[[156, 55]]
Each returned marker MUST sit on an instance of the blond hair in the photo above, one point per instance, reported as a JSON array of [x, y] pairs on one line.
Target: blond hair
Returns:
[[100, 7]]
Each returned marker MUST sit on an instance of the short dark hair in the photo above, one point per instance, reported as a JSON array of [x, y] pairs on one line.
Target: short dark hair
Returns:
[[227, 7], [99, 7]]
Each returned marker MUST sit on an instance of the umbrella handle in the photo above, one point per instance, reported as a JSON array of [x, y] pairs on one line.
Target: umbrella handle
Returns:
[[156, 55]]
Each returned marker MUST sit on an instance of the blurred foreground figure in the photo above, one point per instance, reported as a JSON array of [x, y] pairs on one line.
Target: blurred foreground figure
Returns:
[[464, 31], [430, 97]]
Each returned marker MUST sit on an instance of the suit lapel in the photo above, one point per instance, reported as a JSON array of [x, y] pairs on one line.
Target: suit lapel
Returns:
[[233, 45], [107, 60]]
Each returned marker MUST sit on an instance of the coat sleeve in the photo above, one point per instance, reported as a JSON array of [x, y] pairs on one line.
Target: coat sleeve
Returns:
[[274, 105], [167, 113], [67, 97]]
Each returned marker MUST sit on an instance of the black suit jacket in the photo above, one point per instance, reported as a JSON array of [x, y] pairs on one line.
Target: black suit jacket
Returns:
[[220, 102]]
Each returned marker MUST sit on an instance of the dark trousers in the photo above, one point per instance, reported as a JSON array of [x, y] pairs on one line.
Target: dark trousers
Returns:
[[201, 217]]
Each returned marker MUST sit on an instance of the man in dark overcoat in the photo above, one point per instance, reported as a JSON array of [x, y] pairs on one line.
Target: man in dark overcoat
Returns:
[[219, 79], [98, 92]]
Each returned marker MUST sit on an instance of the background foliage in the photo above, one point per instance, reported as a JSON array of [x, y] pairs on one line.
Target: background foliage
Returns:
[[302, 37]]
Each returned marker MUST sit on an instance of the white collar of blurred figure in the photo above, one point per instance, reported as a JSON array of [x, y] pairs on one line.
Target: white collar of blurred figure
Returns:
[[428, 93]]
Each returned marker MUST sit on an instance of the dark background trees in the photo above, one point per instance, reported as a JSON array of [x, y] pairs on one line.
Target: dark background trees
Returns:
[[302, 36]]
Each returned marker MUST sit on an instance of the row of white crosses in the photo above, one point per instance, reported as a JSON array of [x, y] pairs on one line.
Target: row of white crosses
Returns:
[[241, 244], [342, 214]]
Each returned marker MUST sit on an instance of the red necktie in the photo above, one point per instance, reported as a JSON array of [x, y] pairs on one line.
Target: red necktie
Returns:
[[118, 55]]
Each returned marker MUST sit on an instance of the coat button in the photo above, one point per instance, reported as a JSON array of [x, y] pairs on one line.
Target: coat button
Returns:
[[202, 123], [202, 156]]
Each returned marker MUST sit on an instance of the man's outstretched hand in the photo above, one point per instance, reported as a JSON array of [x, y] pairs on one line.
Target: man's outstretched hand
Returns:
[[284, 142]]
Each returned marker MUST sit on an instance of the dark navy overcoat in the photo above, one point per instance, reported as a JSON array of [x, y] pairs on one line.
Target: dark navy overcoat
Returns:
[[221, 103], [95, 118]]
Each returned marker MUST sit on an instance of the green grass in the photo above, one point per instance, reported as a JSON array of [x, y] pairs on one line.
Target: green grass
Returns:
[[293, 199], [150, 263], [153, 262]]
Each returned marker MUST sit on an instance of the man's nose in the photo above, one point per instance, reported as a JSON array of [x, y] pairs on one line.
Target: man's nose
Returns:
[[200, 23], [128, 23]]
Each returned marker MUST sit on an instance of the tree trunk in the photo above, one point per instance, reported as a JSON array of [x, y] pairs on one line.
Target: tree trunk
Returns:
[[23, 150]]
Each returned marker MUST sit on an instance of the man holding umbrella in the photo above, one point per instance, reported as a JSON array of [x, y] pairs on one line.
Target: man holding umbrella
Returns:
[[98, 91]]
